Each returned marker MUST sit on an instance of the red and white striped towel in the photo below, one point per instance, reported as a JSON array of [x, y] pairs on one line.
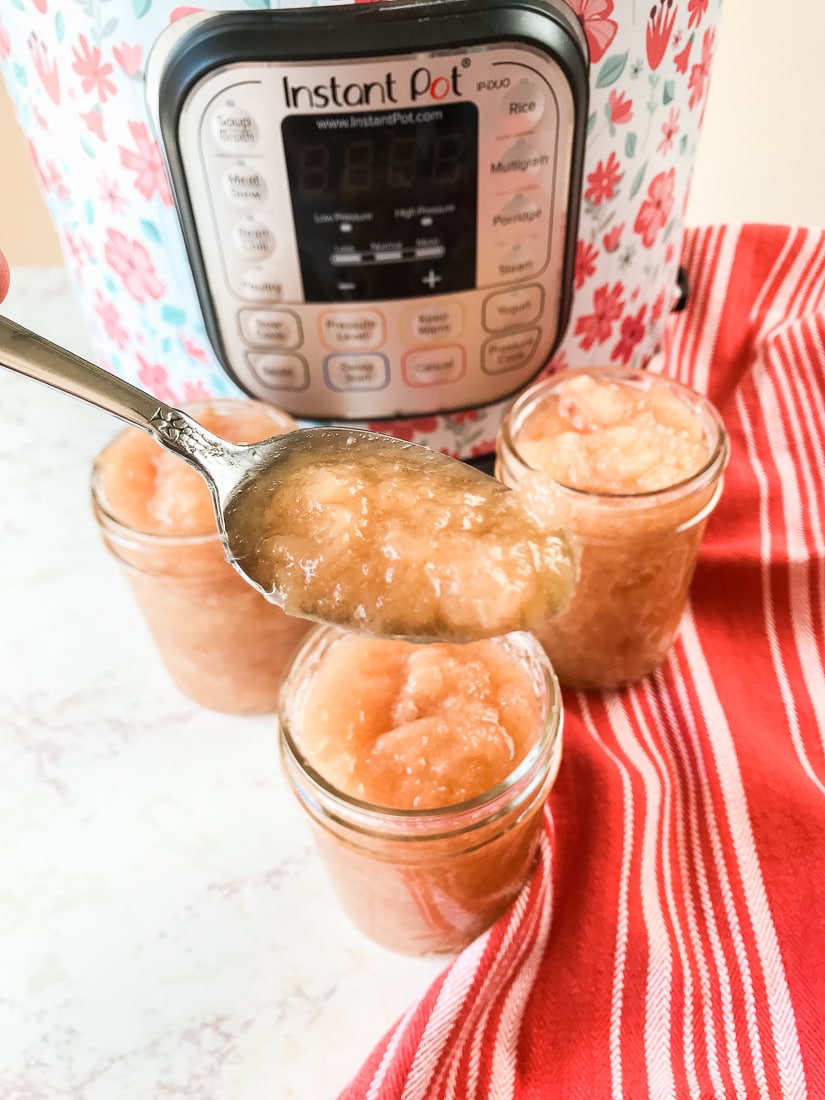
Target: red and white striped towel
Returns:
[[672, 941]]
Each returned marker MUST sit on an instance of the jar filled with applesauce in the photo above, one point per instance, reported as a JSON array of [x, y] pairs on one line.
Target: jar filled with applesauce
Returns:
[[424, 772], [631, 464], [224, 645]]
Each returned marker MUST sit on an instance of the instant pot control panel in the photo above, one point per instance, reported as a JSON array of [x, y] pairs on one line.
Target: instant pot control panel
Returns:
[[378, 201]]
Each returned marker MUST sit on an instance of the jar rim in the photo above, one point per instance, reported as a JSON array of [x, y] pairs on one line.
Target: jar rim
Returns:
[[483, 808], [525, 404]]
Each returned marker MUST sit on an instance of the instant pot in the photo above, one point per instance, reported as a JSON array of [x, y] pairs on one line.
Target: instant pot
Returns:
[[395, 215]]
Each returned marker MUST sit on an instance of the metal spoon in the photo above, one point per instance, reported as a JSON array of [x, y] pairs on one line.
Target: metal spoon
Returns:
[[243, 479]]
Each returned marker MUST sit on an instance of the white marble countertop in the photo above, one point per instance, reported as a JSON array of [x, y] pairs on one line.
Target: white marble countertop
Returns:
[[165, 926]]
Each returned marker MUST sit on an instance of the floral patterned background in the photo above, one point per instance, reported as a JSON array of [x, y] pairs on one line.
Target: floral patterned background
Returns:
[[74, 69]]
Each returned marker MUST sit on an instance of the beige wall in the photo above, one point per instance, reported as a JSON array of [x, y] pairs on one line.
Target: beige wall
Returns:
[[761, 156]]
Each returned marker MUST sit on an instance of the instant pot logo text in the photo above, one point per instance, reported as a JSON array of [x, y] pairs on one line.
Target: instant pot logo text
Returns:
[[424, 86]]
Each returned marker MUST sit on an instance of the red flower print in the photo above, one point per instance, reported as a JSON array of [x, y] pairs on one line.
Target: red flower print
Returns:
[[657, 307], [632, 333], [599, 28], [5, 44], [659, 27], [94, 75], [699, 74], [405, 429], [110, 318], [611, 240], [155, 380], [602, 180], [466, 416], [195, 391], [621, 109], [669, 131], [133, 264], [597, 327], [128, 57], [193, 350], [46, 68], [656, 208], [41, 5], [145, 162], [486, 447], [94, 122], [683, 57], [697, 9], [586, 256]]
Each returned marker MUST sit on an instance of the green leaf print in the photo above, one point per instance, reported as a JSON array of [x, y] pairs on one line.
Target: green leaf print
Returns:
[[638, 180], [611, 70], [108, 28], [60, 26], [630, 145], [141, 7], [668, 92], [87, 148], [150, 230], [173, 316], [257, 3]]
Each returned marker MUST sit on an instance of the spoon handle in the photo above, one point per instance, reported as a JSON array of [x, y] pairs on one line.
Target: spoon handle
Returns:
[[27, 353]]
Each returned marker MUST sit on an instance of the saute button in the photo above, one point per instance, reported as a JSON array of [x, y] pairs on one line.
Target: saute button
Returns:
[[280, 372], [509, 352], [512, 308], [273, 327]]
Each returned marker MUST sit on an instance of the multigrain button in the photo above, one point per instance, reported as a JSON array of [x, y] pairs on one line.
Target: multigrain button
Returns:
[[522, 106], [280, 372], [270, 328], [234, 128], [345, 373], [505, 353], [253, 239], [357, 328], [520, 164], [511, 308], [435, 321], [434, 366], [244, 186]]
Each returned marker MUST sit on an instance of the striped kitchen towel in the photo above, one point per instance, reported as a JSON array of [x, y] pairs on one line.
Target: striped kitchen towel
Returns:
[[672, 941]]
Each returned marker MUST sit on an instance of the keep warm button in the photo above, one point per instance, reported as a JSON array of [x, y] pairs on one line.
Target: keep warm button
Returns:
[[433, 366], [507, 353]]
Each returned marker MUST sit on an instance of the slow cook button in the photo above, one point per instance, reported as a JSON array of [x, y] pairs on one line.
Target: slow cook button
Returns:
[[435, 321], [253, 239], [345, 373], [280, 372], [234, 128], [513, 307], [358, 328], [244, 186], [270, 328], [506, 353], [434, 366]]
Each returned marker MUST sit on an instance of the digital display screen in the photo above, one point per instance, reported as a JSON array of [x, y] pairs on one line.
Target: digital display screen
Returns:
[[384, 202]]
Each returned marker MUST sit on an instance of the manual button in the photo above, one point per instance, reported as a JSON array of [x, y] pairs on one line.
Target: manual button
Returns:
[[505, 353], [358, 328], [511, 308], [270, 328]]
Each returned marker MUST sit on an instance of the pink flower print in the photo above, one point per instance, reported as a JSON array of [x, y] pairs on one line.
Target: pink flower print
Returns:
[[193, 350], [599, 28], [94, 75], [669, 131], [621, 109], [179, 13], [45, 68], [155, 380], [41, 5], [195, 391], [74, 247], [53, 181], [110, 194], [697, 9], [128, 57], [699, 74], [597, 327], [133, 264], [656, 208], [5, 44], [94, 122], [146, 163], [586, 256], [632, 333], [659, 28], [602, 181], [683, 57], [657, 307], [611, 239], [110, 318]]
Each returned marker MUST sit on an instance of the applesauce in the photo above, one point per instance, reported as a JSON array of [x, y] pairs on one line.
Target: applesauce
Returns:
[[224, 645], [424, 771], [632, 464]]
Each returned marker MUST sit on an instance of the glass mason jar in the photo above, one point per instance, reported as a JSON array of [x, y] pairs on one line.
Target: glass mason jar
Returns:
[[421, 881], [223, 644], [638, 550]]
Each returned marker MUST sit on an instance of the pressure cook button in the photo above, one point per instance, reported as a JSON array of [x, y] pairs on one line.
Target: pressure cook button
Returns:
[[434, 366], [280, 372], [270, 328], [244, 186], [261, 285], [436, 321], [358, 328], [523, 106], [253, 239], [234, 128], [345, 373], [512, 308], [505, 353]]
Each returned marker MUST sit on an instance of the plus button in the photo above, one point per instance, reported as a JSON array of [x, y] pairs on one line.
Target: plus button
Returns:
[[431, 279]]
